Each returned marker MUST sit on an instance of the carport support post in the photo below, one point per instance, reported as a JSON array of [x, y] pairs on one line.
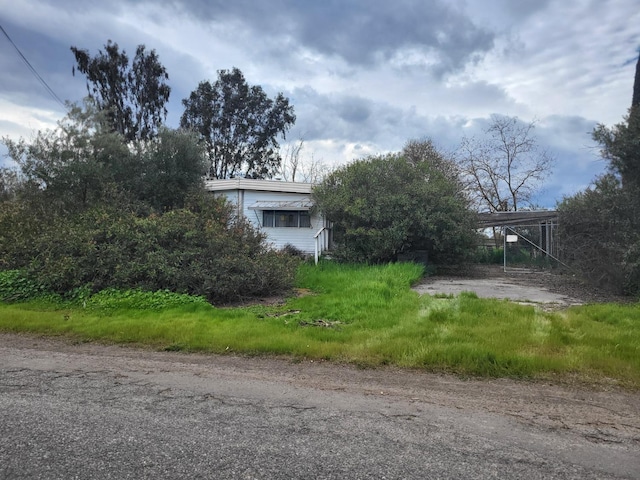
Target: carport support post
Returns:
[[504, 249]]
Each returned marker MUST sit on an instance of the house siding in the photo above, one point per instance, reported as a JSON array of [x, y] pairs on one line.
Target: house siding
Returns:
[[246, 194]]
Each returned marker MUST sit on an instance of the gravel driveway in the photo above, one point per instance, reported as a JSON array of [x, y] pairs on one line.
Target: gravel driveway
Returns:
[[496, 288], [524, 286]]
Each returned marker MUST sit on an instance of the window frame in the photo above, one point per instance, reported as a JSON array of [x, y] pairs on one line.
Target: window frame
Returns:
[[295, 219]]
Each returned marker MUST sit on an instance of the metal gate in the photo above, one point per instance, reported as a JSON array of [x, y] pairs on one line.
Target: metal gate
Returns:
[[529, 238]]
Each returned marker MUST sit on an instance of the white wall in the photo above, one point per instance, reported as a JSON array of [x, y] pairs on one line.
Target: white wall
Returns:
[[301, 238]]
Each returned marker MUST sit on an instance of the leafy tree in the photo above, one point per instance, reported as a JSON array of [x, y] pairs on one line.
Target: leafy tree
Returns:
[[239, 125], [133, 95], [90, 211], [620, 145], [600, 227], [505, 169], [173, 165], [9, 183], [83, 162], [73, 165], [417, 151], [386, 205]]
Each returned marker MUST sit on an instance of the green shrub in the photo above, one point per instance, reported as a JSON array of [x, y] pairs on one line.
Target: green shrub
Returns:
[[387, 205], [293, 251], [631, 266], [199, 250], [489, 255], [599, 232], [16, 286]]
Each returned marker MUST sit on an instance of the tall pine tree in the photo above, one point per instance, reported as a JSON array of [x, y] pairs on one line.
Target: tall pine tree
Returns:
[[636, 86], [621, 143]]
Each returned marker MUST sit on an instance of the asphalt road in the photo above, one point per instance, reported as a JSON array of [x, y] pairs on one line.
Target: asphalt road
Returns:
[[95, 412]]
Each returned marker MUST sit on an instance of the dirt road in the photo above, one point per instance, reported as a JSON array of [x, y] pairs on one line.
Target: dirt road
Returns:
[[91, 411]]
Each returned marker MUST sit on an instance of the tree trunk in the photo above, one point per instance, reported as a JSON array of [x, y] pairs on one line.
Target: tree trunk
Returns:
[[636, 86]]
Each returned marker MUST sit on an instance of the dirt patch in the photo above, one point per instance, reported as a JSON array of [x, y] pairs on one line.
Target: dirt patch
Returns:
[[496, 288], [271, 301], [541, 287]]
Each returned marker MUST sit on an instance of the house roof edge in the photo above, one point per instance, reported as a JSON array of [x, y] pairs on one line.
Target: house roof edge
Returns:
[[257, 185]]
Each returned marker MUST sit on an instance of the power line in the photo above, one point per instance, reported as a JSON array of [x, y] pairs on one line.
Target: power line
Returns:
[[33, 70]]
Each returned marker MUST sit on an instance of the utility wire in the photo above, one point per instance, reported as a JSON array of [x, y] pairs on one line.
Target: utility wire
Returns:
[[33, 70]]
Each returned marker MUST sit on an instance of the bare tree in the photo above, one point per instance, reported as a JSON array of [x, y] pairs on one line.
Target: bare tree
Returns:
[[296, 168], [291, 160], [506, 168], [314, 170]]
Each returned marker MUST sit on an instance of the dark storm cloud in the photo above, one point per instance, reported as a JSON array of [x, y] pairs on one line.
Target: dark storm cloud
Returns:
[[521, 8], [354, 110], [49, 53], [344, 117], [577, 156], [349, 118], [362, 32], [50, 58]]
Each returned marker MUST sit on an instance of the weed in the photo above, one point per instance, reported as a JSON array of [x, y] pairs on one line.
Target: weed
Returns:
[[365, 315], [113, 299], [16, 286]]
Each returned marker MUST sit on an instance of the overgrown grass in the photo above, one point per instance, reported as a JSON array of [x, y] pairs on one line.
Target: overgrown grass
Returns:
[[365, 315]]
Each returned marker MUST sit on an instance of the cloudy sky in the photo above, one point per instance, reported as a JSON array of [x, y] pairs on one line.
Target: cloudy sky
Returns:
[[364, 76]]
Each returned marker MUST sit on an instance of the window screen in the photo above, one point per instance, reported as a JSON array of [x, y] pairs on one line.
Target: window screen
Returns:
[[286, 218]]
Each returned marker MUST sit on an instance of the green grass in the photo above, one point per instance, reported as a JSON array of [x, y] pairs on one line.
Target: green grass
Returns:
[[366, 315]]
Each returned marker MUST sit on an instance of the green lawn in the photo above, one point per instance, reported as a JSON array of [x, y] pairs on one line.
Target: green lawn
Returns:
[[366, 315]]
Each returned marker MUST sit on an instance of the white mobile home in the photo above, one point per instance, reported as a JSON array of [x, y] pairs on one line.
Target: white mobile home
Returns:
[[282, 210]]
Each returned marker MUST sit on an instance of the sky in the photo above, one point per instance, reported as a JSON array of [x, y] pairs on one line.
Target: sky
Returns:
[[364, 76]]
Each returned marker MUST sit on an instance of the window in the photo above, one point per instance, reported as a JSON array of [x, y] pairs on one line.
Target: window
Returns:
[[286, 218]]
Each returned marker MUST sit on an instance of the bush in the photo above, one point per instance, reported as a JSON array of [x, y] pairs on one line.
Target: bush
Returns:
[[631, 267], [199, 250], [293, 251], [489, 255], [599, 231], [20, 224], [16, 286], [387, 205]]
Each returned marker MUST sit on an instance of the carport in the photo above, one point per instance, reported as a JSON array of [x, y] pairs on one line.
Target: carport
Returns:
[[515, 225]]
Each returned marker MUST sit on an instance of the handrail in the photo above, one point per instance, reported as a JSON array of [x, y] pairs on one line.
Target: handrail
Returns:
[[318, 247]]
